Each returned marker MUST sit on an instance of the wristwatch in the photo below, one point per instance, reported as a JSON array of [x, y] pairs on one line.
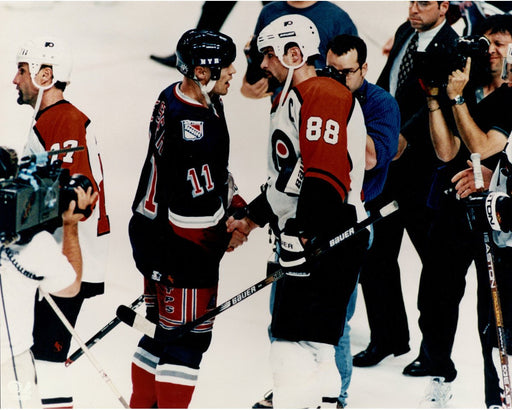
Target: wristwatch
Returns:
[[458, 100]]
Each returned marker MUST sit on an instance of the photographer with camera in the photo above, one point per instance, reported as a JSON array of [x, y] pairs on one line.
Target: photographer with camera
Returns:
[[33, 261], [44, 69], [407, 182], [459, 128]]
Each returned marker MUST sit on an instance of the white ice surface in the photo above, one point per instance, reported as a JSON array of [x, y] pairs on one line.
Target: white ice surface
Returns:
[[116, 84]]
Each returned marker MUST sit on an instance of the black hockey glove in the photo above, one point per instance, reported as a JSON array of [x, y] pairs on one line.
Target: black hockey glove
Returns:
[[498, 208], [488, 211], [475, 207], [292, 256]]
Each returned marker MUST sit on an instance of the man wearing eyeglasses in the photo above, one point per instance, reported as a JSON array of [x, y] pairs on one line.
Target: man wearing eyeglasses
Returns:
[[408, 182], [347, 55]]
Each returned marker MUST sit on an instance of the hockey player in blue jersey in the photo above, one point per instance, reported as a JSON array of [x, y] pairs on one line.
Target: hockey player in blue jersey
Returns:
[[178, 232]]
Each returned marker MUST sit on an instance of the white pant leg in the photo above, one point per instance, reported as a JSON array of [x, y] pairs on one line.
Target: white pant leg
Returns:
[[300, 371], [20, 386], [55, 384]]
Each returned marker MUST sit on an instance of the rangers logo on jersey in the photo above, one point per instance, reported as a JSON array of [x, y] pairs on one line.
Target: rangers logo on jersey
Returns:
[[192, 130]]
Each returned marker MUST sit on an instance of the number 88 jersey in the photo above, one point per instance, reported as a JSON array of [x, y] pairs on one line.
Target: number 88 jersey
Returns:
[[308, 139]]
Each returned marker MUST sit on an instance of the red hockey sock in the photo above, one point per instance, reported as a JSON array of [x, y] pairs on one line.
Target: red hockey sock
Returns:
[[174, 396], [144, 389]]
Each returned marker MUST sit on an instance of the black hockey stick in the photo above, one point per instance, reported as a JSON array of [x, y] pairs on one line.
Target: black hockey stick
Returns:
[[500, 328], [102, 333], [498, 313], [139, 322]]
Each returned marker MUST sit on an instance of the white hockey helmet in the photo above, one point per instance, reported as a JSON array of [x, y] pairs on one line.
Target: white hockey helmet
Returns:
[[47, 51], [292, 28]]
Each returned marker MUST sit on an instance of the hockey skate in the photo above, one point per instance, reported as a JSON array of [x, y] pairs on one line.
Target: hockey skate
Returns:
[[438, 394], [327, 402], [266, 402]]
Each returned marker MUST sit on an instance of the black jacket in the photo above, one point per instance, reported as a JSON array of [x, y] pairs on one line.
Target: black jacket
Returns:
[[411, 98]]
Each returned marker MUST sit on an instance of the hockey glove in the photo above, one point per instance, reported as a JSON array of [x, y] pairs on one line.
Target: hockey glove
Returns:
[[475, 206], [498, 209], [292, 256], [490, 211]]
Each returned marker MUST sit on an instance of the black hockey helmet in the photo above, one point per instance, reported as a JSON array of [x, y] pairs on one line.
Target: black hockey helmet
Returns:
[[206, 48]]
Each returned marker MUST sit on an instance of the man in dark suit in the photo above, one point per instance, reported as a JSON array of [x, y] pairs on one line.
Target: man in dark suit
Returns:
[[408, 182]]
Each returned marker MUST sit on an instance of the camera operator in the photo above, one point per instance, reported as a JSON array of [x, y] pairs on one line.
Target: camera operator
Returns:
[[456, 131], [407, 182], [44, 71], [36, 260]]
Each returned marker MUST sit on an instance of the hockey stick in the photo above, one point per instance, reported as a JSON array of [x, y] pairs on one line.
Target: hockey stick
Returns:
[[87, 352], [139, 322], [9, 339], [102, 333], [498, 314], [500, 329]]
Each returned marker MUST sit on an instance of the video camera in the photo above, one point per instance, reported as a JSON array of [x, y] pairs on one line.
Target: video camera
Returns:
[[331, 72], [35, 193], [435, 66]]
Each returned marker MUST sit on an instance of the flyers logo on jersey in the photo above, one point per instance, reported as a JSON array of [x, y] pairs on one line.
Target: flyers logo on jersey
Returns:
[[192, 130]]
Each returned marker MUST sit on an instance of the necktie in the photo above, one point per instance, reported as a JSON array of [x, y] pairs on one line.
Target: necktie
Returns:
[[406, 64]]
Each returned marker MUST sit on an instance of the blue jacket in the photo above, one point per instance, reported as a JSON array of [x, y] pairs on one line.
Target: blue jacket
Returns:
[[382, 120]]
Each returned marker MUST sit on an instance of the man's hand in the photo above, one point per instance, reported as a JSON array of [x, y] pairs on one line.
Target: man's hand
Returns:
[[84, 199], [457, 80], [240, 230], [430, 91], [371, 154], [70, 242], [465, 180], [256, 90], [402, 145]]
